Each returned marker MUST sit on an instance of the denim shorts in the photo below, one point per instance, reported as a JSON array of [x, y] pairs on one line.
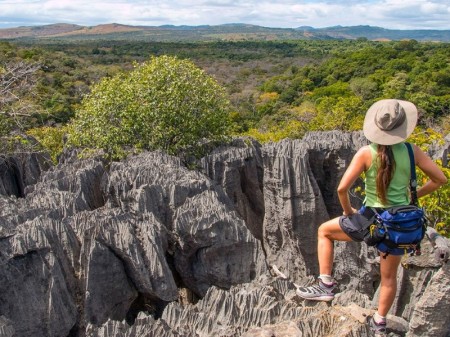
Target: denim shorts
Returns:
[[356, 226]]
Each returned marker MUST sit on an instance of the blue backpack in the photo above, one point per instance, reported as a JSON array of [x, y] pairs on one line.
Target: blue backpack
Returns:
[[404, 228]]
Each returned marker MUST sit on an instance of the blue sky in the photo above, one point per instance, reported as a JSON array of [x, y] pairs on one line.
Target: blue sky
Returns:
[[393, 14]]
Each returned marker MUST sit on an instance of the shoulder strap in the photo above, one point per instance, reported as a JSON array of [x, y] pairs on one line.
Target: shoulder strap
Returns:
[[413, 179]]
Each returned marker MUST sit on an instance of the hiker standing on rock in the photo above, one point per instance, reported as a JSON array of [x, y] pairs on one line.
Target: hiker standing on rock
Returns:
[[386, 164]]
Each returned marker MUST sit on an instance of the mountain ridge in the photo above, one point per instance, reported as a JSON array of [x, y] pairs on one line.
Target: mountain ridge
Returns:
[[230, 31]]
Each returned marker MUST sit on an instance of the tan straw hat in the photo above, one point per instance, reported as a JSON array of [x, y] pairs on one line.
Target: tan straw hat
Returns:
[[390, 121]]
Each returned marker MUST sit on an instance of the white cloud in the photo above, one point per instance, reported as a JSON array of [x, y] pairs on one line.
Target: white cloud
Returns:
[[396, 14]]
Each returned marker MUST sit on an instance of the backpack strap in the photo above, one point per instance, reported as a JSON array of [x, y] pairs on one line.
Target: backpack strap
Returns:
[[413, 179]]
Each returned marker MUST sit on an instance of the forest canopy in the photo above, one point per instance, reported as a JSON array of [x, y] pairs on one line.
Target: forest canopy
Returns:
[[273, 86]]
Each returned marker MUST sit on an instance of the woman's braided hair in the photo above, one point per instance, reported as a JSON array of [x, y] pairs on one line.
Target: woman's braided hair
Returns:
[[386, 168]]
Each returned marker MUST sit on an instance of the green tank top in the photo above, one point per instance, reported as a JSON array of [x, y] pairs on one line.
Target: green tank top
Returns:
[[398, 190]]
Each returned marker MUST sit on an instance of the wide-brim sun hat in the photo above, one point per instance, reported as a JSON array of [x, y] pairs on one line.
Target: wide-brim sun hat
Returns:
[[390, 121]]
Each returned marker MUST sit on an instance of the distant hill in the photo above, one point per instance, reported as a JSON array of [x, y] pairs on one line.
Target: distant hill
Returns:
[[227, 32], [378, 33]]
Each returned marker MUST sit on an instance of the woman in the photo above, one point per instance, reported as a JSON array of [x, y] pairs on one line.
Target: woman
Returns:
[[386, 165]]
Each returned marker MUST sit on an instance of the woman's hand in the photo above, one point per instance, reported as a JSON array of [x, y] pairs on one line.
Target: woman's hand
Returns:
[[347, 213]]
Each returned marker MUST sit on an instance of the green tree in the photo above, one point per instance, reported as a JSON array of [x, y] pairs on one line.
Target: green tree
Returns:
[[396, 86], [17, 86], [364, 88], [164, 103], [338, 113]]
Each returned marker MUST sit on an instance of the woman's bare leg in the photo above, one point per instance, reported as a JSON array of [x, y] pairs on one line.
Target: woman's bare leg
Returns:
[[329, 232], [324, 291], [388, 287]]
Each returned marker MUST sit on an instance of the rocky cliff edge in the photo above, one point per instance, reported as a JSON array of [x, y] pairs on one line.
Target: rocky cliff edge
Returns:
[[148, 247]]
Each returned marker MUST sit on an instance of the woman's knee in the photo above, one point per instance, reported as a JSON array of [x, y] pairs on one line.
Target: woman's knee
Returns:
[[329, 229], [389, 281], [323, 231], [389, 269]]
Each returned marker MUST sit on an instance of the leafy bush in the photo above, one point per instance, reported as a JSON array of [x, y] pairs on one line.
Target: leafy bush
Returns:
[[338, 113], [51, 139], [436, 203], [290, 129], [165, 103]]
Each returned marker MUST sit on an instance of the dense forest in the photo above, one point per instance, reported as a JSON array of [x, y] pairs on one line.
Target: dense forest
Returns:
[[277, 89], [270, 84]]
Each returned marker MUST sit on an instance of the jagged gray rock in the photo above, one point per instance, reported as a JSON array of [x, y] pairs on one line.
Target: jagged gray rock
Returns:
[[19, 171], [211, 245], [6, 328], [264, 306], [294, 208], [239, 170], [144, 326], [147, 247], [430, 315]]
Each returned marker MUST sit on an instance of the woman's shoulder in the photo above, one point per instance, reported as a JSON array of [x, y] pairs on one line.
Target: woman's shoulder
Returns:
[[368, 149], [365, 155]]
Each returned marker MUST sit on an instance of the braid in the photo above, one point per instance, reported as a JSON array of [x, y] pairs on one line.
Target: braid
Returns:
[[385, 171]]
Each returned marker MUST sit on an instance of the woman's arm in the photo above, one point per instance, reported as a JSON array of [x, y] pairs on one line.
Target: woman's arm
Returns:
[[360, 163], [432, 171]]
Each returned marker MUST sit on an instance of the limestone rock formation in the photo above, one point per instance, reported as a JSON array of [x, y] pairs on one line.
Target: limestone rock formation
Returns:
[[6, 328], [148, 247], [18, 172]]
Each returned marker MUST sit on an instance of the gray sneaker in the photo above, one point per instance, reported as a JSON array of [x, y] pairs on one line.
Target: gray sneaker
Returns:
[[317, 292], [378, 329]]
